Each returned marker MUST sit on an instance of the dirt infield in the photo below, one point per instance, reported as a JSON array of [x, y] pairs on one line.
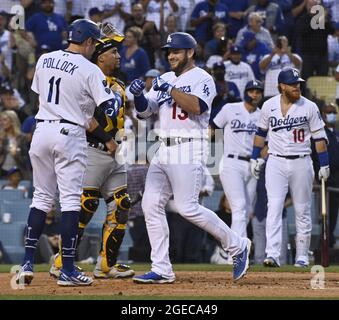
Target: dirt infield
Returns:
[[189, 284]]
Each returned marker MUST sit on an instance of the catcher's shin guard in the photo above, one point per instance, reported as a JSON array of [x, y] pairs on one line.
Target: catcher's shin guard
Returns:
[[114, 228], [89, 204]]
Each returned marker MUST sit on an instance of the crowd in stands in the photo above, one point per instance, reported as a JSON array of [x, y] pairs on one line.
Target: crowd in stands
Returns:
[[238, 41]]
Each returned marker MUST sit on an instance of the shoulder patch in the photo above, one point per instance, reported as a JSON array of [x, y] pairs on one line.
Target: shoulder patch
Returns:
[[104, 82]]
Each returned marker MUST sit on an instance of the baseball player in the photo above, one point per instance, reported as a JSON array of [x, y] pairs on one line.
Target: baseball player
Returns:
[[239, 121], [290, 121], [104, 175], [69, 87], [183, 99]]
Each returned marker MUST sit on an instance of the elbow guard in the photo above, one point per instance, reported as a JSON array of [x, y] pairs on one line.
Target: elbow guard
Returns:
[[319, 135]]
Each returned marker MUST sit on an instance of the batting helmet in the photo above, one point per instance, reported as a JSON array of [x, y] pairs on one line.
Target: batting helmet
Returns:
[[82, 29], [289, 76], [254, 84], [180, 40]]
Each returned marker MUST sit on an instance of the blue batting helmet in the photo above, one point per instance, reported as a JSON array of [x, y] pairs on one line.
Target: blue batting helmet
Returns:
[[289, 76], [82, 29], [254, 84], [180, 40]]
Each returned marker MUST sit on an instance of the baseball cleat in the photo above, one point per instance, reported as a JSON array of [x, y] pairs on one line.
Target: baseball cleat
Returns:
[[152, 277], [74, 278], [25, 274], [241, 262], [301, 264], [119, 270], [271, 262], [56, 266]]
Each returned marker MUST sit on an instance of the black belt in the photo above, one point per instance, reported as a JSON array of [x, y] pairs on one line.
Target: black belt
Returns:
[[172, 141], [61, 121], [291, 157], [239, 157]]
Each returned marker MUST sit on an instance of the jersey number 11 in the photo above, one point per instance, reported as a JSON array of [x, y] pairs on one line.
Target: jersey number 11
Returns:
[[50, 92]]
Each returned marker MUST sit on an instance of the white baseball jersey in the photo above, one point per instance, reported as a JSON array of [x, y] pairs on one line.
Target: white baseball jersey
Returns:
[[240, 74], [69, 87], [240, 128], [290, 135], [272, 71], [175, 122]]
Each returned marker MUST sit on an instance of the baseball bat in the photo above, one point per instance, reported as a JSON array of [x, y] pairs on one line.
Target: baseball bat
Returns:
[[324, 228]]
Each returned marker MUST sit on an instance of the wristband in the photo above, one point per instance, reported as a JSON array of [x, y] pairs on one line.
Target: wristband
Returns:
[[323, 159], [255, 152]]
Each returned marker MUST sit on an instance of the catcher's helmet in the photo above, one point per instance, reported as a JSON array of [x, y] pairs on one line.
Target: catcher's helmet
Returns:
[[254, 84], [82, 29], [180, 40], [289, 76]]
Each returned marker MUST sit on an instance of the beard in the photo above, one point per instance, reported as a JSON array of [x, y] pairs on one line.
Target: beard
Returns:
[[293, 97], [181, 66]]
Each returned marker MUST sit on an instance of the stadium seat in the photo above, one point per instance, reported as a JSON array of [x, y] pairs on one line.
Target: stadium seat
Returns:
[[18, 209], [12, 195], [323, 88]]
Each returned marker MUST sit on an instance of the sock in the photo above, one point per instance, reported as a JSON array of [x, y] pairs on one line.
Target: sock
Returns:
[[35, 226], [69, 235]]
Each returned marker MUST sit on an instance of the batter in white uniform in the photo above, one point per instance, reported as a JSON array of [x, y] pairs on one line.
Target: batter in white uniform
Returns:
[[69, 88], [239, 121], [183, 99], [290, 120]]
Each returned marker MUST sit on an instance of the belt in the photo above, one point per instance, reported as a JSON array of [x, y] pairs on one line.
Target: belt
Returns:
[[291, 157], [172, 141], [60, 121], [97, 145], [238, 157]]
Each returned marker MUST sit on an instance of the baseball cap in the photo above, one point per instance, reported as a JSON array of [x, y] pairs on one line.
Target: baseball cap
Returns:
[[152, 73], [93, 11], [247, 37], [219, 65], [5, 87], [254, 84], [289, 76], [235, 49], [12, 170], [45, 47]]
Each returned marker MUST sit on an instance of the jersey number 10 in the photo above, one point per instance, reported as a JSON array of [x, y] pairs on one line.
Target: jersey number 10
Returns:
[[299, 135], [50, 92]]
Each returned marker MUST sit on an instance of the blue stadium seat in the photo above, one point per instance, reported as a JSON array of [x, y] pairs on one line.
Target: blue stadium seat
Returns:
[[18, 209], [13, 195], [2, 183], [212, 202]]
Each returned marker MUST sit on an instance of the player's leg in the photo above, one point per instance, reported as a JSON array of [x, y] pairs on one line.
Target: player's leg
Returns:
[[118, 203], [44, 181], [301, 183], [157, 192], [276, 175], [70, 166], [233, 181], [186, 183]]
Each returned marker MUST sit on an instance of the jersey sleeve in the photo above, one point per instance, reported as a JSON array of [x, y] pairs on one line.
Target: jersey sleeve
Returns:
[[35, 82], [205, 90], [315, 120], [263, 122], [98, 87], [221, 119]]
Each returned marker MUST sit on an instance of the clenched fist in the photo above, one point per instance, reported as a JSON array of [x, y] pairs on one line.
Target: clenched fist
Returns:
[[160, 84], [137, 87]]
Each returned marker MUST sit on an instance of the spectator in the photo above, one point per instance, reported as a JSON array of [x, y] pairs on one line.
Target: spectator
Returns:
[[329, 115], [48, 244], [136, 177], [14, 177], [271, 64], [205, 14], [222, 53], [31, 7], [227, 91], [150, 40], [287, 28], [219, 33], [96, 15], [76, 10], [333, 7], [47, 27], [237, 12], [167, 26], [6, 44], [253, 50], [333, 47], [238, 71], [152, 9], [184, 14], [13, 145], [134, 60], [255, 25], [313, 43], [272, 16]]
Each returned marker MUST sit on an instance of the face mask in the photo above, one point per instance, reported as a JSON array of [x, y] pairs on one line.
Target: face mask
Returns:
[[331, 118]]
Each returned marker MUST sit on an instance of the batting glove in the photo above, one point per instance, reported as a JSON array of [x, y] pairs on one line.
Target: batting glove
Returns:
[[160, 84], [256, 166], [137, 87], [324, 172]]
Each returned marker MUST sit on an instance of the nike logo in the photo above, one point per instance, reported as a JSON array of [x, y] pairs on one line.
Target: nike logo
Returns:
[[273, 109]]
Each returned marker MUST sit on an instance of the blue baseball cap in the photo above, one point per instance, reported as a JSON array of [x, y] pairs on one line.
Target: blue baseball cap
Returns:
[[289, 76], [235, 49], [247, 37], [94, 11], [12, 170]]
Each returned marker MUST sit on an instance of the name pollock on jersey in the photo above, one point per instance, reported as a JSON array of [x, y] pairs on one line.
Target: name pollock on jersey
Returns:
[[65, 66]]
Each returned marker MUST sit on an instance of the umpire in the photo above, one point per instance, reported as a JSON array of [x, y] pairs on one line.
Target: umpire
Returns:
[[104, 175]]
